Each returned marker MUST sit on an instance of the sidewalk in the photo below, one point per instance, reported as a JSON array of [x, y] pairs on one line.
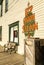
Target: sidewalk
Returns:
[[11, 59]]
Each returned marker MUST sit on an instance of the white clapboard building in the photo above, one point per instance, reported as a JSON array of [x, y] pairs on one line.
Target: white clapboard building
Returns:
[[12, 13]]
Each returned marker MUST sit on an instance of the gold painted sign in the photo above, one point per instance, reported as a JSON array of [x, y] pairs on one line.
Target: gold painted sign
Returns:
[[29, 26]]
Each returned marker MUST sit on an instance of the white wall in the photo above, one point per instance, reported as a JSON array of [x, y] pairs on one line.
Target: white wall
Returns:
[[15, 13]]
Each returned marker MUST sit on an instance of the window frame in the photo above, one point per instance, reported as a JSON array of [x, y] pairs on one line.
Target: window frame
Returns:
[[13, 25], [6, 6], [0, 33], [1, 4]]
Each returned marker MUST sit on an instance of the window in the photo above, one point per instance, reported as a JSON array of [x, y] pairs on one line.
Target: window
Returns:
[[1, 7], [0, 33], [14, 32], [6, 6]]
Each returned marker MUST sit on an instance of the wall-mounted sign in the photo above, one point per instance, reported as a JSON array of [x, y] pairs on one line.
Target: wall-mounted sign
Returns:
[[29, 26]]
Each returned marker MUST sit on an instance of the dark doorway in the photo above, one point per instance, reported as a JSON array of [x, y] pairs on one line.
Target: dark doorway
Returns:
[[39, 52]]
